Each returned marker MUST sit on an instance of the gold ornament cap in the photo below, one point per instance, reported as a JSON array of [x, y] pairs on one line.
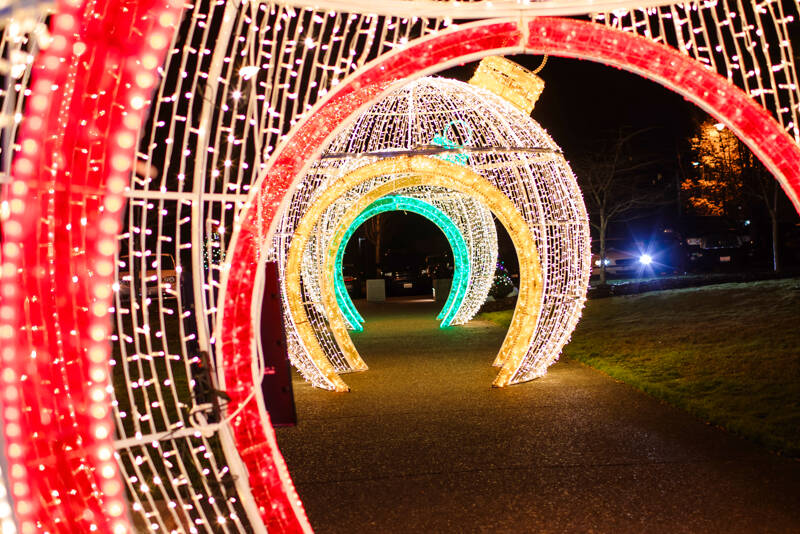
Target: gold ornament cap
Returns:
[[510, 81]]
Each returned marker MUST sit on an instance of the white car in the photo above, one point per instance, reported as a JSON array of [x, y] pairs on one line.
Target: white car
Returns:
[[619, 262]]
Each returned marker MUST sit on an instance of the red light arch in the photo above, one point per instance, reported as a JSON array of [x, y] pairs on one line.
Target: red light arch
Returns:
[[554, 36]]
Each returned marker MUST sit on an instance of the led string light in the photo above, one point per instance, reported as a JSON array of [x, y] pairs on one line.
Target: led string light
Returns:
[[82, 79], [459, 248], [476, 10], [8, 524], [480, 262], [167, 192], [748, 43], [229, 233], [398, 203], [22, 35], [168, 414], [21, 38], [279, 100], [443, 140], [514, 344], [476, 223]]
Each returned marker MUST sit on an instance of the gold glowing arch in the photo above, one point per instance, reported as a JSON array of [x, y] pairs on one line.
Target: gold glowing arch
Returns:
[[413, 171]]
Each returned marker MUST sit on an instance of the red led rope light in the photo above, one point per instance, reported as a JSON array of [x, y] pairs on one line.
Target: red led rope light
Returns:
[[88, 98]]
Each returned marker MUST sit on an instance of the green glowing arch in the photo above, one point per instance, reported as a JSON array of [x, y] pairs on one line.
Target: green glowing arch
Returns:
[[461, 271]]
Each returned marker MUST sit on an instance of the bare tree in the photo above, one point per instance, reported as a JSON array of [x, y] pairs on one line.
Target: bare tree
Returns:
[[765, 188], [616, 185]]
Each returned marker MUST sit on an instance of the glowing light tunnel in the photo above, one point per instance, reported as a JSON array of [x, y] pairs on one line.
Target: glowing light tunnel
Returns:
[[44, 469], [406, 172], [461, 272]]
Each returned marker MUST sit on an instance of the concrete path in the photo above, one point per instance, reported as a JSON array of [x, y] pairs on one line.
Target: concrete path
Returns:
[[422, 443]]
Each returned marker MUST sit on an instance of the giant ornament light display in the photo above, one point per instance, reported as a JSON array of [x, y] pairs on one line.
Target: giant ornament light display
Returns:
[[502, 147], [249, 97]]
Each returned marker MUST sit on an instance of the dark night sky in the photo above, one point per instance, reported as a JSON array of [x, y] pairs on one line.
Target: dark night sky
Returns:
[[583, 100]]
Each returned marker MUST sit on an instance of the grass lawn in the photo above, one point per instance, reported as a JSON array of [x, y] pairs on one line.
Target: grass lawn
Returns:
[[728, 353]]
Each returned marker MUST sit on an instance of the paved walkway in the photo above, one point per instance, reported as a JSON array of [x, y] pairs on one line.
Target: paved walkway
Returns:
[[422, 443]]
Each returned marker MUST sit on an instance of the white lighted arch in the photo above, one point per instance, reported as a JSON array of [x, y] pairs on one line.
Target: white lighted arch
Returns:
[[495, 139]]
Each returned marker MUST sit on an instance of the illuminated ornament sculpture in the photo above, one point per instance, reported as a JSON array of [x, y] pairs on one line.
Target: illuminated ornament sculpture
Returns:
[[199, 182], [485, 132]]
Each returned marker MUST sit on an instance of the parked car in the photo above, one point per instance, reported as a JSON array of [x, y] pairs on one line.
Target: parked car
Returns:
[[617, 262], [639, 258], [438, 266], [717, 251], [160, 276], [403, 282], [717, 243], [406, 272]]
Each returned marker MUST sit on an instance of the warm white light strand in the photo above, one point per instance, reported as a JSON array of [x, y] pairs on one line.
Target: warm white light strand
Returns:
[[747, 42], [185, 205]]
